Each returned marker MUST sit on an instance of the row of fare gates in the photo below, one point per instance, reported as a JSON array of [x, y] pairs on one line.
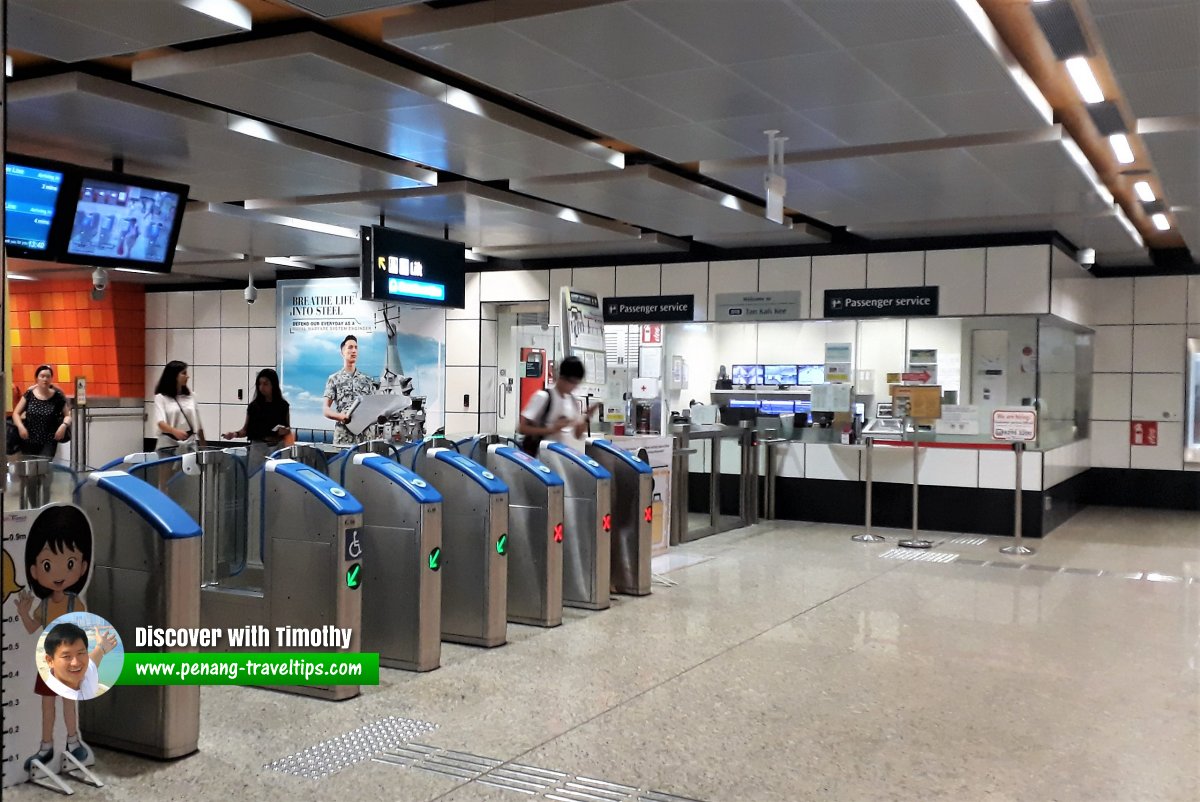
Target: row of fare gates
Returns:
[[406, 547]]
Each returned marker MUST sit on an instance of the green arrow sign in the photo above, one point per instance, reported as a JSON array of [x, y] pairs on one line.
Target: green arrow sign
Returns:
[[502, 545], [435, 559], [354, 576]]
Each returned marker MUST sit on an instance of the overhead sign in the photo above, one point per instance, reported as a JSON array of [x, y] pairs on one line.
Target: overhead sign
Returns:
[[649, 308], [1013, 425], [746, 307], [405, 268], [882, 302]]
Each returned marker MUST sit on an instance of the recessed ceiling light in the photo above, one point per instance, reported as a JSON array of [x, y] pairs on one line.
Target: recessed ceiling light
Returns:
[[1143, 190], [1120, 146], [1161, 222], [1085, 80]]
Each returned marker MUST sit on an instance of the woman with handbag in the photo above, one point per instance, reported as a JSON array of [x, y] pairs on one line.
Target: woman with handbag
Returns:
[[42, 419], [268, 423], [176, 415]]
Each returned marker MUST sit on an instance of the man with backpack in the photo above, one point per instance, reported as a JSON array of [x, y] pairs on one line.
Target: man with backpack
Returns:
[[556, 413]]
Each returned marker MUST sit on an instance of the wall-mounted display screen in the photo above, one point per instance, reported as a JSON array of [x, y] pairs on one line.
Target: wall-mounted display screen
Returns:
[[124, 221], [810, 374], [779, 374], [747, 374], [406, 268], [31, 197], [777, 407]]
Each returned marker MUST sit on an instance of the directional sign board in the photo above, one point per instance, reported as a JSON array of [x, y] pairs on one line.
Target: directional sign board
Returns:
[[1013, 425]]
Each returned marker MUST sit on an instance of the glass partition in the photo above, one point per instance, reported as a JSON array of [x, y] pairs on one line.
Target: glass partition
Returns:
[[778, 374], [1192, 435]]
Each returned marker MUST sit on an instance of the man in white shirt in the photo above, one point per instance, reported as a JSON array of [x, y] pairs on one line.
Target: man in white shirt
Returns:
[[563, 421], [73, 673]]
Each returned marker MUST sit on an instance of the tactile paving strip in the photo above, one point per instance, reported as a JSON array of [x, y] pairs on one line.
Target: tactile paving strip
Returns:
[[531, 781], [910, 555], [363, 743]]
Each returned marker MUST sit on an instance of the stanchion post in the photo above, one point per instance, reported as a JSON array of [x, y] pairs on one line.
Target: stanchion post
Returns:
[[868, 536], [915, 541], [1017, 546]]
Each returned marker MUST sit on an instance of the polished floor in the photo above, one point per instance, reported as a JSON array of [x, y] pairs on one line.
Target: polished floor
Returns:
[[785, 662]]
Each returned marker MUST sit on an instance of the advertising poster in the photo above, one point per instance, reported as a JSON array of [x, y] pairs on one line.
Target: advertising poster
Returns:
[[316, 314], [47, 565]]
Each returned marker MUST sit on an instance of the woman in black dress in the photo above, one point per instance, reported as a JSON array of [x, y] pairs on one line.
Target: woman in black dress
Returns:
[[268, 418], [42, 417]]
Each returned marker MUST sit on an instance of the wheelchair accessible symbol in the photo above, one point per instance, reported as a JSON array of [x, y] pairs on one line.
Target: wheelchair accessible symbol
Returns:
[[354, 549]]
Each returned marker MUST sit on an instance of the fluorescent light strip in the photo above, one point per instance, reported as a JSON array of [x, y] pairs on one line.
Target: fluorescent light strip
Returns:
[[135, 270], [1161, 222], [1085, 80], [19, 277], [991, 37], [1120, 146], [1144, 191]]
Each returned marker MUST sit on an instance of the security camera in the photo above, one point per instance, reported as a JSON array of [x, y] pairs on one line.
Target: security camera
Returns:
[[251, 292], [99, 279], [1087, 256]]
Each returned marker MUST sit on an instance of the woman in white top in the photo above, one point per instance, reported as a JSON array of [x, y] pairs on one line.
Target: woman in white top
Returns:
[[175, 412]]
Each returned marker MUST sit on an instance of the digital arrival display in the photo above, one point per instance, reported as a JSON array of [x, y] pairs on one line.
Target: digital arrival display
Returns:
[[30, 196]]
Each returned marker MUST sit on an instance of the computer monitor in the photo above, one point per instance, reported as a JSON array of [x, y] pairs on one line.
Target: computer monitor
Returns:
[[777, 407], [747, 374], [32, 198], [120, 220], [810, 374], [779, 374], [743, 403]]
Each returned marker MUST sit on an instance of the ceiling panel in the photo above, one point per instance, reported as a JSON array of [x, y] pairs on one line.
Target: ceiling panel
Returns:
[[979, 112], [375, 104], [732, 33], [710, 93], [946, 65], [341, 8], [1176, 156], [223, 157], [76, 30], [1154, 48], [222, 227], [652, 198], [815, 80], [868, 22], [871, 123]]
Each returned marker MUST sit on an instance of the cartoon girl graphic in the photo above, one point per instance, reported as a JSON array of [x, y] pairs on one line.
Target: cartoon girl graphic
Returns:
[[58, 556]]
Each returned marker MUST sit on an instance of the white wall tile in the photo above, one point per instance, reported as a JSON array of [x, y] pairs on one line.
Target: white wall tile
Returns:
[[514, 285], [488, 401], [1159, 349], [231, 417], [599, 280], [180, 344], [1018, 280], [835, 272], [461, 424], [488, 423], [262, 349], [1111, 301], [948, 467], [471, 299], [688, 278], [740, 275], [206, 309], [462, 342], [235, 347], [559, 278], [1111, 396], [462, 381], [959, 275], [1110, 444], [263, 312], [234, 309], [152, 374], [1113, 349], [206, 348], [793, 273], [210, 419], [234, 379], [1070, 298], [789, 460], [638, 280], [488, 342], [151, 425], [1160, 299], [156, 346], [156, 310], [830, 462], [206, 384], [1060, 464], [1193, 300], [997, 469], [180, 314], [900, 269], [1157, 396], [1166, 456]]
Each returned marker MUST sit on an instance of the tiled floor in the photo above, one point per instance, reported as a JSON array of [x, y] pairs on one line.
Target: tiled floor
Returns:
[[789, 664]]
